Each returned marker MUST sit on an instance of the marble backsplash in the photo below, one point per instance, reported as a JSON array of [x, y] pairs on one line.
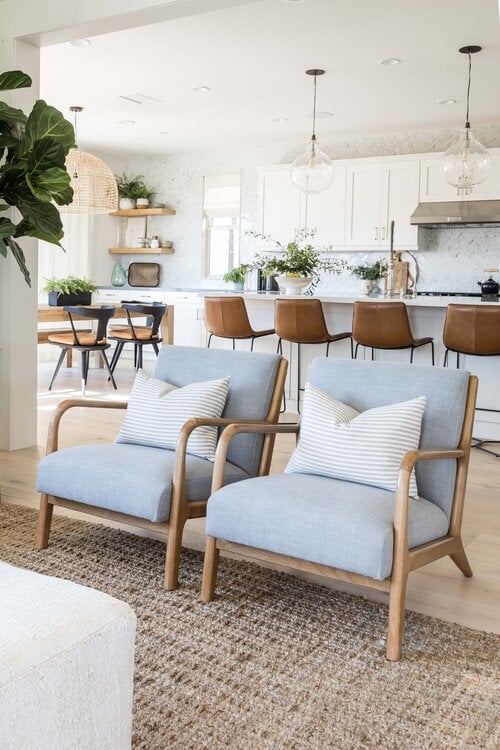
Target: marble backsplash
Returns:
[[450, 259]]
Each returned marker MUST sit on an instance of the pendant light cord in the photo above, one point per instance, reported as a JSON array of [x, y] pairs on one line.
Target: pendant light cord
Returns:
[[314, 109], [76, 132], [467, 124]]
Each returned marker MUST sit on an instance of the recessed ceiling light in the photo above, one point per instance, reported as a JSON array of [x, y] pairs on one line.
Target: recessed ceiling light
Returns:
[[447, 101], [80, 42], [320, 115], [389, 61], [280, 119], [201, 88], [163, 132], [126, 122]]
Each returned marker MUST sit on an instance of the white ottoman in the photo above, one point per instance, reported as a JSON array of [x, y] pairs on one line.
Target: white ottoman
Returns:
[[66, 665]]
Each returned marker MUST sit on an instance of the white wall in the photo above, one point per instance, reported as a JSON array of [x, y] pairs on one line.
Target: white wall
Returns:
[[453, 258]]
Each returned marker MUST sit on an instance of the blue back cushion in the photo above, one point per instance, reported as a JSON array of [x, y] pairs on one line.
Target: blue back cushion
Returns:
[[253, 376], [365, 385]]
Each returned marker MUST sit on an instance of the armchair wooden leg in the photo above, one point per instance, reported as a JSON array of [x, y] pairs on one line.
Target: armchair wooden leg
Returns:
[[44, 523], [173, 556], [396, 615], [461, 561], [210, 569]]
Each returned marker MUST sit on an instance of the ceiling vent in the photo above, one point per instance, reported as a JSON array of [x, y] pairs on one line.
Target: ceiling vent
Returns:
[[139, 98]]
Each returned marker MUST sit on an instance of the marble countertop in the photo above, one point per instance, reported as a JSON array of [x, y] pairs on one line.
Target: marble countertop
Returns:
[[422, 301]]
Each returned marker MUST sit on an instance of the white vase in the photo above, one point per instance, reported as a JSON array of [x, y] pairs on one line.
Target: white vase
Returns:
[[367, 286], [294, 284], [142, 202], [126, 204]]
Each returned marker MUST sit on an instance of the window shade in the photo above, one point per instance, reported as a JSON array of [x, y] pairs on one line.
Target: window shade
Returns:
[[222, 195]]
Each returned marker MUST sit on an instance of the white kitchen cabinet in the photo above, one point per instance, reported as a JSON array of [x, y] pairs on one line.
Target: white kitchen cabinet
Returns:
[[279, 204], [326, 212], [378, 193], [189, 328], [433, 186]]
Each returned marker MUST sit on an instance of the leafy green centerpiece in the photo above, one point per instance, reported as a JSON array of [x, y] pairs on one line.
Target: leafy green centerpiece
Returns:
[[71, 290], [299, 260], [33, 176]]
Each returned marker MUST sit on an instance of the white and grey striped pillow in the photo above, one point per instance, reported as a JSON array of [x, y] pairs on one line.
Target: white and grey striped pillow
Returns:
[[338, 441], [157, 411]]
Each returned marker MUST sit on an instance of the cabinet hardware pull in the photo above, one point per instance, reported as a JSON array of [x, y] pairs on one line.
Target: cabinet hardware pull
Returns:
[[376, 234], [384, 233]]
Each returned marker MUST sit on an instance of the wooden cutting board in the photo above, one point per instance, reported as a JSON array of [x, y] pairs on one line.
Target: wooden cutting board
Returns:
[[144, 274]]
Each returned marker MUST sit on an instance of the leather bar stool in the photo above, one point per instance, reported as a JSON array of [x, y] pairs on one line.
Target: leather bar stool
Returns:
[[473, 330], [227, 318], [302, 321], [385, 325]]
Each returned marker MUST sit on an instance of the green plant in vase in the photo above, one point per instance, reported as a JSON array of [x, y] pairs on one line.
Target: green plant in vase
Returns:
[[301, 262], [369, 274], [238, 274]]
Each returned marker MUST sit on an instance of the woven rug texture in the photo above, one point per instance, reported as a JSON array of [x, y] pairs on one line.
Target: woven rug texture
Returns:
[[274, 663]]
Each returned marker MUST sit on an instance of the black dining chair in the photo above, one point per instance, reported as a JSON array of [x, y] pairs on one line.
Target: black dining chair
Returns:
[[84, 341], [138, 335]]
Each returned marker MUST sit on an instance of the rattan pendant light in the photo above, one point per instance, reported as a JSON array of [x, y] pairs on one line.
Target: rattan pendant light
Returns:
[[93, 183]]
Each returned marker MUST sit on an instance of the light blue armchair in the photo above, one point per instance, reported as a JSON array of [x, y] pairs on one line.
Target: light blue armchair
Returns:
[[350, 531], [156, 488]]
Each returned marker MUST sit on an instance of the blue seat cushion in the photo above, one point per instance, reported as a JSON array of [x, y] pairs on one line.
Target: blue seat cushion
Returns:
[[133, 479], [337, 523]]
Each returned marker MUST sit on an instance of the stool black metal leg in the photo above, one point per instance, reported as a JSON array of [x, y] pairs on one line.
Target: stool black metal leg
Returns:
[[352, 347], [58, 366], [139, 356], [328, 347], [432, 353], [209, 340], [234, 345], [252, 343], [279, 348], [445, 360], [373, 354], [156, 348], [411, 354], [458, 360], [116, 355], [298, 378]]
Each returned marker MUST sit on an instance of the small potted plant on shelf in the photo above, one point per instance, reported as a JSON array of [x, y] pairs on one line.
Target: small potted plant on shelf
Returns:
[[369, 274], [237, 275], [300, 264], [130, 189], [143, 196], [71, 290]]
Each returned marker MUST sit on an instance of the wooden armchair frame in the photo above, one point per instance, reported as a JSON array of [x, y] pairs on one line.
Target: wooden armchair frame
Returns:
[[404, 559], [180, 509]]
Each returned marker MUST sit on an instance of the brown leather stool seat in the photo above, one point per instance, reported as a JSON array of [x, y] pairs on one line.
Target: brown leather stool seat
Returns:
[[302, 321], [385, 325], [473, 330], [138, 335], [227, 318]]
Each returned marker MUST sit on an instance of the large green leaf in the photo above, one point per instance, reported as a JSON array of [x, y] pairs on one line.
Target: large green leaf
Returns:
[[53, 184], [45, 121], [40, 220], [14, 79], [7, 228], [10, 114], [46, 153], [20, 259]]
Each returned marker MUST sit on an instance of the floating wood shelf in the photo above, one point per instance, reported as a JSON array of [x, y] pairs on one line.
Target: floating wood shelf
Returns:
[[144, 212], [141, 250]]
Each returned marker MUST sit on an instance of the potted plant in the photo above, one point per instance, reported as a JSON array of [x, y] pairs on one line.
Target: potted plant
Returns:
[[130, 189], [143, 196], [300, 264], [369, 273], [71, 290], [33, 175], [237, 275]]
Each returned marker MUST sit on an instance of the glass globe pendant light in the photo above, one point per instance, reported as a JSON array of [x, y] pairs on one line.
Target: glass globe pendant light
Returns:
[[312, 172], [466, 163]]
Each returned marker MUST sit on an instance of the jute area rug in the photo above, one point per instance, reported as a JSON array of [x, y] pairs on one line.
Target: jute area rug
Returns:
[[273, 662]]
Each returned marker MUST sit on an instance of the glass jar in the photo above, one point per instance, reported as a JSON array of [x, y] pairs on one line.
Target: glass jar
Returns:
[[118, 274]]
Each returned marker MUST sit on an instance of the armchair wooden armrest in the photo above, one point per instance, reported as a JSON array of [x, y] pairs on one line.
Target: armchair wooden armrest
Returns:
[[64, 406], [232, 430]]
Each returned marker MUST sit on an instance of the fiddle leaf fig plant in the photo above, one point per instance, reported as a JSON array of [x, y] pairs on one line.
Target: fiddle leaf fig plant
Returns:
[[33, 175]]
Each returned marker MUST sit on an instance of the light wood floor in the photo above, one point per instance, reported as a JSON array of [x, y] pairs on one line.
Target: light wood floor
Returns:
[[438, 589]]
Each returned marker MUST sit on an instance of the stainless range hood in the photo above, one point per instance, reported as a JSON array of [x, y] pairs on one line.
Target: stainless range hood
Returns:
[[456, 213]]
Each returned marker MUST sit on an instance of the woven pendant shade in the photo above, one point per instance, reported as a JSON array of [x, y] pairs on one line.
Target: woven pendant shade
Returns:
[[93, 183]]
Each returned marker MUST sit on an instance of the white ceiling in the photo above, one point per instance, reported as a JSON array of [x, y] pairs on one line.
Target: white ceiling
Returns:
[[253, 59]]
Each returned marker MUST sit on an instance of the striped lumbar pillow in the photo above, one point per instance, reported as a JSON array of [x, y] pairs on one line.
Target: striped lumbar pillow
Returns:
[[157, 411], [338, 441]]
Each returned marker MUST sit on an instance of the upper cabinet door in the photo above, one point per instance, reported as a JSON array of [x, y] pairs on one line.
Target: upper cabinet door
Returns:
[[279, 204], [363, 228], [433, 186], [326, 212], [400, 186]]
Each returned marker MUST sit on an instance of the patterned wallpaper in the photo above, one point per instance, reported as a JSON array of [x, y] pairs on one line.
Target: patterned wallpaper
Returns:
[[453, 259]]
